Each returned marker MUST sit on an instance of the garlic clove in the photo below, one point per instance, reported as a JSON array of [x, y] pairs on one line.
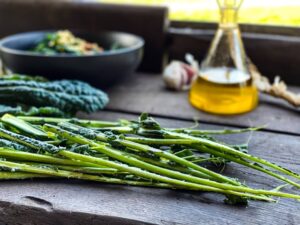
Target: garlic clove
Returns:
[[179, 76]]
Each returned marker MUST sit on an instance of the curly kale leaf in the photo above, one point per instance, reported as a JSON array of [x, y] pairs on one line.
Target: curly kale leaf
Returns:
[[44, 111], [10, 109], [67, 95]]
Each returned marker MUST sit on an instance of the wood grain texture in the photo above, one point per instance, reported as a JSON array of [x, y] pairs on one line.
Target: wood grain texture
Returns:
[[59, 200], [145, 93]]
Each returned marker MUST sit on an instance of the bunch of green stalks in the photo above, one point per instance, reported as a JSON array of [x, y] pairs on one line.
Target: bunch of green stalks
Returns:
[[137, 153]]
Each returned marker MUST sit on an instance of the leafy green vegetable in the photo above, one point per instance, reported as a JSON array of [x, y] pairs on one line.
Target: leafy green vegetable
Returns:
[[65, 42], [75, 148], [68, 96], [17, 110]]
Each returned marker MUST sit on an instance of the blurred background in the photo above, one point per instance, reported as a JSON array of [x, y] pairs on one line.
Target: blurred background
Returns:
[[275, 12], [171, 28]]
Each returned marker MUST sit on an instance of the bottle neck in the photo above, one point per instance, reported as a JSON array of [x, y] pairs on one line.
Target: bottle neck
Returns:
[[229, 17]]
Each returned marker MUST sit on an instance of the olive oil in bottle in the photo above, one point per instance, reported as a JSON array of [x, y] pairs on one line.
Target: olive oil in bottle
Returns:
[[224, 91], [224, 84]]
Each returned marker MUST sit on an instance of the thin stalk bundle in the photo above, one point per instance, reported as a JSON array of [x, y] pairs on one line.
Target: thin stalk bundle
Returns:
[[140, 153]]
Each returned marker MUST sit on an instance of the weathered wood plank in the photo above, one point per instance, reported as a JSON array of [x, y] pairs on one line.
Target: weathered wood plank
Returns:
[[147, 94], [33, 211]]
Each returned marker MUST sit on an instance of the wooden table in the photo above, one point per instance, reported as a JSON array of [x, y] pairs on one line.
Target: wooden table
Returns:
[[80, 203]]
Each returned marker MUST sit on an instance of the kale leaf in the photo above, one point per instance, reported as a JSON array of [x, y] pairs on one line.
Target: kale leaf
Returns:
[[68, 96]]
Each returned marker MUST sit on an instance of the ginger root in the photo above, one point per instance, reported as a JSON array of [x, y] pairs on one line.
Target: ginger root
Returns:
[[278, 89]]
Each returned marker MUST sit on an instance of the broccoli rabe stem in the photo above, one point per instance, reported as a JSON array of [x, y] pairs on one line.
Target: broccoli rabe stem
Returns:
[[19, 175], [167, 176], [246, 163], [229, 150], [155, 151], [76, 175], [127, 129], [33, 157], [89, 170], [174, 167], [133, 158], [195, 132], [202, 148], [82, 122], [23, 126], [178, 184]]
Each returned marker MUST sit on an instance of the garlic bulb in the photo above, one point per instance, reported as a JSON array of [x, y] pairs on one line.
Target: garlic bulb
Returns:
[[179, 76]]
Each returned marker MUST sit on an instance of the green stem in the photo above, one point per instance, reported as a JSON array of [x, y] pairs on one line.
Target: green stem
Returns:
[[155, 141], [80, 169], [153, 176], [179, 160], [211, 151], [121, 130], [76, 175], [194, 181], [118, 155], [23, 126], [157, 152], [30, 142], [19, 175], [52, 120], [194, 132], [229, 150], [27, 156], [171, 167], [116, 126], [247, 164]]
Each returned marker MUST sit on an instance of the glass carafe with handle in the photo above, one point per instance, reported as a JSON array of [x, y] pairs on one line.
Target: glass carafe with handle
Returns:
[[224, 84]]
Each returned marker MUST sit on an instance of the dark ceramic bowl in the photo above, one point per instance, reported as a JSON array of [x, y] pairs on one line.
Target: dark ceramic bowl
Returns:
[[101, 70]]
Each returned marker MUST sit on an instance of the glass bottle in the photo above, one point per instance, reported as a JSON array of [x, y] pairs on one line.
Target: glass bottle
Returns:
[[224, 84]]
